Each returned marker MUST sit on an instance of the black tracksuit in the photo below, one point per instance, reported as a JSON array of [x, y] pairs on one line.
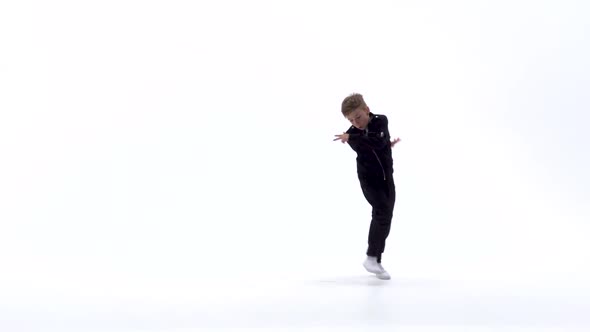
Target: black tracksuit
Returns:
[[375, 173]]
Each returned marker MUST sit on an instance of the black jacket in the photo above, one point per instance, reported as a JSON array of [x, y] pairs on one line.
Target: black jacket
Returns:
[[373, 148]]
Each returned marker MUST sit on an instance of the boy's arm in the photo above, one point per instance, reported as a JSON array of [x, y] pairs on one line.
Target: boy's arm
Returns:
[[378, 138]]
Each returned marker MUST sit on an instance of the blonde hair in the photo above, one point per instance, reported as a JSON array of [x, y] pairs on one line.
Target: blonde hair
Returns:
[[352, 102]]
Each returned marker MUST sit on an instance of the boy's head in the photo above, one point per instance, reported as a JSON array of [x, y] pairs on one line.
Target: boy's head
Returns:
[[356, 110]]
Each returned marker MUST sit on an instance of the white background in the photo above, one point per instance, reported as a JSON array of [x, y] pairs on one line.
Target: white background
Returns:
[[149, 142]]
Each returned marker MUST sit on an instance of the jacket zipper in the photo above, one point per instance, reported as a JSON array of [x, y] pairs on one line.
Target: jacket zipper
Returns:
[[382, 169]]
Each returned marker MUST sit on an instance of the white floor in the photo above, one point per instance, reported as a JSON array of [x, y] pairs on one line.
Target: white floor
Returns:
[[338, 302]]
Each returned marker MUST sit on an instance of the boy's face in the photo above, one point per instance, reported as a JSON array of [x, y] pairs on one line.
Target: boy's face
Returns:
[[359, 117]]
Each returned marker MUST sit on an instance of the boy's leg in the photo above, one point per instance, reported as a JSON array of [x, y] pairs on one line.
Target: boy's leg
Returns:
[[381, 196]]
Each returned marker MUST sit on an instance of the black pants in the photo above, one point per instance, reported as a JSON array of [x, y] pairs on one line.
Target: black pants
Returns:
[[381, 195]]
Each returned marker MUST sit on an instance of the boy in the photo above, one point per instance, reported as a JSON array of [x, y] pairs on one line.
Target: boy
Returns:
[[369, 138]]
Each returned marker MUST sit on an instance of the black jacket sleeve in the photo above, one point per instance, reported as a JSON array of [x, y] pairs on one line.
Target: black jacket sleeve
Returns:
[[377, 137]]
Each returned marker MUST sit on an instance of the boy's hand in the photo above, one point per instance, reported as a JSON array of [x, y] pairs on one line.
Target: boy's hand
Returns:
[[343, 138], [395, 141]]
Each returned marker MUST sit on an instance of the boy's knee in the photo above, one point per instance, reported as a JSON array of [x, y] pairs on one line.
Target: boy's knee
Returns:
[[383, 216]]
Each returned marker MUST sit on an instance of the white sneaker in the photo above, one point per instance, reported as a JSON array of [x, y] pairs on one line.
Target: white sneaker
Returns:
[[383, 275], [372, 266]]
